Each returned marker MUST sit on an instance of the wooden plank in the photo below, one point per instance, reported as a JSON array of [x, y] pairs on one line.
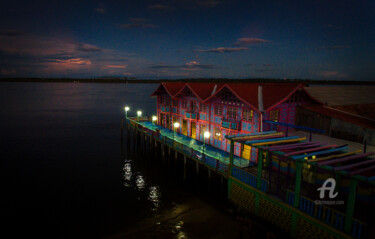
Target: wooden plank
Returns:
[[281, 141], [259, 136], [320, 152], [354, 165], [269, 140], [333, 156], [310, 150], [249, 134], [341, 160], [362, 170], [280, 147]]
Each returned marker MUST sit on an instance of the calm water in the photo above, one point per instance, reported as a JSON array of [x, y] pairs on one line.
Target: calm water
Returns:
[[64, 176]]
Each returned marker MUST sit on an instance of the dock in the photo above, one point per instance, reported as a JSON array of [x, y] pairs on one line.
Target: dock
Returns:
[[279, 179]]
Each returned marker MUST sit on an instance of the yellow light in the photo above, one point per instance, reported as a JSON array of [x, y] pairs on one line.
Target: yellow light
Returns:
[[127, 108], [154, 118], [176, 124], [206, 134], [139, 113]]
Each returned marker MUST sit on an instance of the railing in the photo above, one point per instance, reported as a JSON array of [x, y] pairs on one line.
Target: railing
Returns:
[[165, 108], [249, 179], [191, 115], [231, 124], [325, 214]]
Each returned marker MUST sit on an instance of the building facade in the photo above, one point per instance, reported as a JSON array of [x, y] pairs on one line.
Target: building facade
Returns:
[[228, 109]]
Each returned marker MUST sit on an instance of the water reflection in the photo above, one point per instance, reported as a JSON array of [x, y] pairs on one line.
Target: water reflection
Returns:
[[140, 182], [154, 197], [127, 174]]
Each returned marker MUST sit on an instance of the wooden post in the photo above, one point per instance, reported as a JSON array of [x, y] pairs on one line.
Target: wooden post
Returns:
[[184, 168], [350, 206], [260, 168], [297, 187], [122, 130], [197, 170], [230, 168], [209, 178]]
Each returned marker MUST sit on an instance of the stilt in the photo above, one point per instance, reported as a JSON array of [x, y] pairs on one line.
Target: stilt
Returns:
[[197, 170], [184, 168]]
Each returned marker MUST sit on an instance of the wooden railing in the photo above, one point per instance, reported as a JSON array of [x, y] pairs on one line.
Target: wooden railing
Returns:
[[325, 214]]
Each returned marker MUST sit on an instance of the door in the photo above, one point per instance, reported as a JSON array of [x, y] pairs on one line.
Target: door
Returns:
[[193, 130], [167, 122], [184, 127]]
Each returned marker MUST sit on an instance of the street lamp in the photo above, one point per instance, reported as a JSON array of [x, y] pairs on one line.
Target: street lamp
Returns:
[[154, 118], [175, 126], [205, 135], [126, 111], [139, 114]]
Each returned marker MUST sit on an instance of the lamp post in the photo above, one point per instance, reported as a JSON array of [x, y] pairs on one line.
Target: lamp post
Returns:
[[205, 135], [126, 111], [154, 118], [175, 127], [139, 114]]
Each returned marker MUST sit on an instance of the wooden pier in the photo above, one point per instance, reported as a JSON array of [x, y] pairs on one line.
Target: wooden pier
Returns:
[[278, 186]]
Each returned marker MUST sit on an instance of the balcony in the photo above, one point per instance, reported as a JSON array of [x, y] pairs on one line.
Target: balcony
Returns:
[[230, 124], [165, 108], [191, 115]]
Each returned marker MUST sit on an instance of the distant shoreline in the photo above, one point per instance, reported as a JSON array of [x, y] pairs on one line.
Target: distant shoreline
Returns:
[[218, 80]]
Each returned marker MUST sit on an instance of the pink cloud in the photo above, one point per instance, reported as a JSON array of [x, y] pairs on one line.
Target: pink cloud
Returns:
[[224, 49], [116, 66], [249, 40]]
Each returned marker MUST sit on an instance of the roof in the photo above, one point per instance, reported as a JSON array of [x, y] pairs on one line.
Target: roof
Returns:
[[342, 115], [273, 93]]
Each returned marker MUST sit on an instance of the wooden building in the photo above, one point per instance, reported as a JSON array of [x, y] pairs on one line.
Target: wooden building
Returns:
[[228, 109]]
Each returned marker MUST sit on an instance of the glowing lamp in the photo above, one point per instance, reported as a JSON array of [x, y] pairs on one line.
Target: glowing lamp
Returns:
[[206, 134], [139, 113], [176, 124]]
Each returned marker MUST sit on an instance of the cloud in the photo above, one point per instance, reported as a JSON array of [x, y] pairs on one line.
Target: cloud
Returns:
[[263, 70], [11, 33], [224, 49], [332, 74], [73, 61], [249, 41], [192, 65], [117, 66], [138, 23], [161, 7], [88, 47], [100, 10]]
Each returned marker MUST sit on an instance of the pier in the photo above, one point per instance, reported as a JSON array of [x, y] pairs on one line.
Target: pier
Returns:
[[278, 179]]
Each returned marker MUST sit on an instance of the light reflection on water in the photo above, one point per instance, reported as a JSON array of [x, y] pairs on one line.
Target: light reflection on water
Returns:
[[154, 197]]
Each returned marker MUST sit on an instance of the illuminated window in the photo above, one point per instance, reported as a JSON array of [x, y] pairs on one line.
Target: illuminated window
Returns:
[[274, 115], [232, 113], [202, 129], [218, 110], [247, 115], [217, 134]]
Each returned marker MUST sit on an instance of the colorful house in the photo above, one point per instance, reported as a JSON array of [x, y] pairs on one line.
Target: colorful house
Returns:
[[228, 109]]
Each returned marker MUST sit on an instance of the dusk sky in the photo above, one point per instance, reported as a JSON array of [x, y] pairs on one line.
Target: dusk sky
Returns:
[[189, 38]]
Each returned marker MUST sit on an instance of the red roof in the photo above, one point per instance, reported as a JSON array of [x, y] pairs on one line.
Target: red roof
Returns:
[[342, 115], [273, 93]]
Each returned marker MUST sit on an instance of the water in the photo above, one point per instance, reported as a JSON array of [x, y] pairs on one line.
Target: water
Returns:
[[63, 174]]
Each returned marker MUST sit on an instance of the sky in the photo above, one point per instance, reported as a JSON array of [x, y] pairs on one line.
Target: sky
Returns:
[[310, 39]]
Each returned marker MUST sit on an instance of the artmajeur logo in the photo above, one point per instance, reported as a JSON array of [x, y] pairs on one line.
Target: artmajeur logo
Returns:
[[328, 185]]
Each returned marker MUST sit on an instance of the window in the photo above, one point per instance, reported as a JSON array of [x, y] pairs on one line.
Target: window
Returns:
[[184, 104], [167, 101], [274, 115], [202, 108], [161, 100], [174, 103], [218, 110], [217, 134], [193, 106], [202, 129], [232, 113], [247, 115]]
